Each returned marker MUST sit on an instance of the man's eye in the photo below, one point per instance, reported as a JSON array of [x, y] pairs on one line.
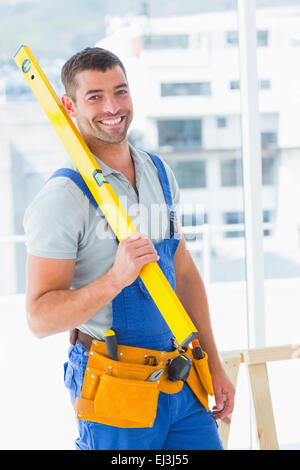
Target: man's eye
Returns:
[[122, 92], [94, 97]]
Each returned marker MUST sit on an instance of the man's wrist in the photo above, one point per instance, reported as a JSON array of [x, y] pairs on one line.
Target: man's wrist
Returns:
[[113, 282], [215, 365]]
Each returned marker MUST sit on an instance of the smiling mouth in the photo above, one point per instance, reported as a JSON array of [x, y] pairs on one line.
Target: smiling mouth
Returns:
[[112, 122]]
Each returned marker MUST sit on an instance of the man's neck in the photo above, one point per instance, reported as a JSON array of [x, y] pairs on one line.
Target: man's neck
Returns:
[[116, 156]]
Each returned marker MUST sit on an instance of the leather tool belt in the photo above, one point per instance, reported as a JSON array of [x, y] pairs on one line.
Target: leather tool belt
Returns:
[[117, 393]]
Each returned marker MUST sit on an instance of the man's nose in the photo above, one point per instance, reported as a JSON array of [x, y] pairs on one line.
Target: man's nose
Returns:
[[111, 105]]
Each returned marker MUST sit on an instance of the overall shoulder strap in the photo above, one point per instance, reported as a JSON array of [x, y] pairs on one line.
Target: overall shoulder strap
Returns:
[[76, 177], [167, 192], [163, 179]]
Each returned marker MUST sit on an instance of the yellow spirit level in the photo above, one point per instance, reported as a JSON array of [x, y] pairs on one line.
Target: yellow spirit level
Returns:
[[152, 276]]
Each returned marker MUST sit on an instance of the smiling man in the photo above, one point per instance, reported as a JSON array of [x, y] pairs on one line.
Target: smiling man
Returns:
[[79, 279]]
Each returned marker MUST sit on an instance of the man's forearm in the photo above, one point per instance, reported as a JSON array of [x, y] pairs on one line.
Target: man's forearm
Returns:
[[62, 310], [191, 292]]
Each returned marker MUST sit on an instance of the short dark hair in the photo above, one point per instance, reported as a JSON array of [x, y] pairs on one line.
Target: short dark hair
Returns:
[[90, 58]]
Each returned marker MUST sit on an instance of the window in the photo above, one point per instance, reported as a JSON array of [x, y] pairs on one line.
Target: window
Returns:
[[176, 41], [262, 84], [231, 173], [238, 218], [190, 219], [190, 174], [268, 216], [180, 133], [268, 170], [296, 42], [281, 168], [221, 122], [233, 218], [186, 89], [268, 138], [234, 85], [265, 84], [232, 38], [262, 38]]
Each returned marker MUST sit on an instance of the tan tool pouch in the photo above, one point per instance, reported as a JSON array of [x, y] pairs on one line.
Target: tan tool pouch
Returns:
[[202, 369], [199, 379], [126, 400], [117, 393]]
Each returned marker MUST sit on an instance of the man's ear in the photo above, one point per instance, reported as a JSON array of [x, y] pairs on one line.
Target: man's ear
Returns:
[[69, 105]]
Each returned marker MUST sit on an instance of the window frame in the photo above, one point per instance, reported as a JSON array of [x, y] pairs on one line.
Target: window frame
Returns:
[[252, 173]]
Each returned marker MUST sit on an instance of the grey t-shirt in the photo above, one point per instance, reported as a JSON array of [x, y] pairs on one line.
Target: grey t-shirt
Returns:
[[61, 223]]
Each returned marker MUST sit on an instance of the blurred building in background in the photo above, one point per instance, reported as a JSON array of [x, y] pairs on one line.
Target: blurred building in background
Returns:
[[184, 78], [186, 71]]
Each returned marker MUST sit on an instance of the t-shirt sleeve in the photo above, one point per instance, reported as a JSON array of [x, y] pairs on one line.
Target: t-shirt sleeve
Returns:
[[53, 222]]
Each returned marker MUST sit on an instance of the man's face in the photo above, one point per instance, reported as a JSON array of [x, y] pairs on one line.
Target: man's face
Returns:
[[103, 107]]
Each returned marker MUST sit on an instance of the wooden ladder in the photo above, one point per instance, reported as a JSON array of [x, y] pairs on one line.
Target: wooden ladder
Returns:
[[256, 362]]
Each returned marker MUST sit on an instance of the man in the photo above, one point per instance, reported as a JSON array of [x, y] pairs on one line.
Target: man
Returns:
[[80, 279]]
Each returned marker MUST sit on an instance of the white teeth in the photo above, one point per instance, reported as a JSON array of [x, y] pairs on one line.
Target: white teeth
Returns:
[[112, 121]]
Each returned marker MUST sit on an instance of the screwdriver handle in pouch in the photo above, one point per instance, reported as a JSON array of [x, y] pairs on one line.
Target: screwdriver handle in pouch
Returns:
[[111, 344]]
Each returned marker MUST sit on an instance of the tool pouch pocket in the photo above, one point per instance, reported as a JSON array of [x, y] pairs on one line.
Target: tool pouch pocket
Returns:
[[117, 393], [202, 369], [126, 402]]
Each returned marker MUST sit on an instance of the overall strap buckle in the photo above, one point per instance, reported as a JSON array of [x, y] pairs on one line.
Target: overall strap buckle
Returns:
[[173, 223]]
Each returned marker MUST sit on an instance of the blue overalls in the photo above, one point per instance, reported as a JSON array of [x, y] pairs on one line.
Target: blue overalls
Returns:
[[182, 422]]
